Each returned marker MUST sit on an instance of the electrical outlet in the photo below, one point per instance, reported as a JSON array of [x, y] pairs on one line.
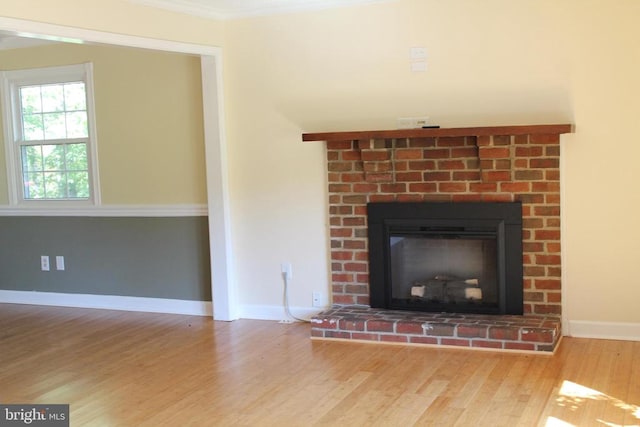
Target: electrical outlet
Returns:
[[403, 123], [411, 122], [286, 269], [59, 262], [317, 299], [422, 121], [44, 263]]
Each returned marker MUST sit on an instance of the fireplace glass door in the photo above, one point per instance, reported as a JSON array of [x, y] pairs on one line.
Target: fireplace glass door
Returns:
[[446, 269]]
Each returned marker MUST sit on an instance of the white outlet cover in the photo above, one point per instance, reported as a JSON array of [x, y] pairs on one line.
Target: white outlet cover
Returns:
[[419, 66], [59, 263], [317, 299], [286, 268], [411, 122], [44, 263], [418, 52], [404, 123]]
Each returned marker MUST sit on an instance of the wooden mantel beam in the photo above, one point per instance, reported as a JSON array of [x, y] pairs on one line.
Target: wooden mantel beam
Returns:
[[438, 132]]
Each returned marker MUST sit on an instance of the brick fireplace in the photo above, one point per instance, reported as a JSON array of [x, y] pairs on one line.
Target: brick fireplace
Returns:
[[483, 164]]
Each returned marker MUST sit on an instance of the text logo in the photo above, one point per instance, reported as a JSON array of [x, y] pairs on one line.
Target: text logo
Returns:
[[34, 415]]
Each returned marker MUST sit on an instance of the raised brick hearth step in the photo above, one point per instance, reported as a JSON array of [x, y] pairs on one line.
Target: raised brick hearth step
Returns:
[[523, 333]]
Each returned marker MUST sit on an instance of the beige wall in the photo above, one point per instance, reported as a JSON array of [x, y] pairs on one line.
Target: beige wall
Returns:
[[149, 120], [489, 62]]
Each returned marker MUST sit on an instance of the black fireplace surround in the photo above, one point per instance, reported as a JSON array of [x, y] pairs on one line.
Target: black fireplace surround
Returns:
[[446, 257]]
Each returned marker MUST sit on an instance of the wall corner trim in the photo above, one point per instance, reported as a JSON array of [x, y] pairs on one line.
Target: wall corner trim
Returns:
[[109, 302], [604, 330]]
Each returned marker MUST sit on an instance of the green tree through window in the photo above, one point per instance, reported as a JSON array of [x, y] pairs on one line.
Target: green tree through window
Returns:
[[52, 132], [53, 113]]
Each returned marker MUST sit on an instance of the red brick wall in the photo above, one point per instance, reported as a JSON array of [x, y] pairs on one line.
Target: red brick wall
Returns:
[[486, 168]]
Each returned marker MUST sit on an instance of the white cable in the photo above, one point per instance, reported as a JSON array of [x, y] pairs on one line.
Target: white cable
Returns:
[[285, 298]]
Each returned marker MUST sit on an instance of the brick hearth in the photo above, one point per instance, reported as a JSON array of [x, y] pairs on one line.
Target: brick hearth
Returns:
[[521, 333], [509, 163]]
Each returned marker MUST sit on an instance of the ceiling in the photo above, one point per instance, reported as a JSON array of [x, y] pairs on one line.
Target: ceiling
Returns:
[[214, 9], [235, 9]]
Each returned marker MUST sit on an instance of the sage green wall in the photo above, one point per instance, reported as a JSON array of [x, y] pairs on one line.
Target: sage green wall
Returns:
[[142, 257], [150, 152], [148, 116]]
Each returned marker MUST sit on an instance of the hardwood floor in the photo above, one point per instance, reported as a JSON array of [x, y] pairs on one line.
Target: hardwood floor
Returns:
[[140, 369]]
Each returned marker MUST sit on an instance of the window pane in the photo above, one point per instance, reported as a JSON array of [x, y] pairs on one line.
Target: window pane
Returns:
[[32, 158], [53, 156], [54, 126], [77, 125], [78, 184], [77, 157], [32, 127], [52, 98], [54, 185], [74, 97], [53, 142], [33, 186], [30, 99]]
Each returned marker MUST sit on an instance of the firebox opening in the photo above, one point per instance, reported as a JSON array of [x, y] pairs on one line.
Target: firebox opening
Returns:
[[447, 270], [446, 257]]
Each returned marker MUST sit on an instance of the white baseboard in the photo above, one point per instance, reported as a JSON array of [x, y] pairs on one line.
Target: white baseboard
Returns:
[[109, 302], [276, 312], [604, 330]]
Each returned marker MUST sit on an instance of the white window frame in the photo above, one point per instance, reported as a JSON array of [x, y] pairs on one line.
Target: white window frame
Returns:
[[11, 83]]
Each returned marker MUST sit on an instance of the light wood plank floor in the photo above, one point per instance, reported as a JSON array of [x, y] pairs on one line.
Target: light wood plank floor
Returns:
[[139, 369]]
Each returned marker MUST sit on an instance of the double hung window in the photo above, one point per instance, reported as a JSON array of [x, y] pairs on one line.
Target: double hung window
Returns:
[[50, 138]]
